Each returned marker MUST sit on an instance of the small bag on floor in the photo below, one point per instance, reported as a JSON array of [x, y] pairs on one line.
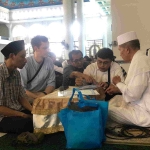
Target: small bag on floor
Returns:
[[28, 138], [84, 122]]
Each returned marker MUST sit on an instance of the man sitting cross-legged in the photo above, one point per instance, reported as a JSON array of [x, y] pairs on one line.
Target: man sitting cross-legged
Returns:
[[15, 116], [38, 76], [133, 107]]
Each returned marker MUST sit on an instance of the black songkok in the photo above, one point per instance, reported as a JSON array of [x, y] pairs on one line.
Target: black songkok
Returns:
[[13, 47]]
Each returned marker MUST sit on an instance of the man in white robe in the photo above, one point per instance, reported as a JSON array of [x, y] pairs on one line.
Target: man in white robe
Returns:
[[133, 107]]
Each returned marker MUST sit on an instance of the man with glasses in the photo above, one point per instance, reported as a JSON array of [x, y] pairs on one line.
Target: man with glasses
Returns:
[[103, 71], [75, 69]]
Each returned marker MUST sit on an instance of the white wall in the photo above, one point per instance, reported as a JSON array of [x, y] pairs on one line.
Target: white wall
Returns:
[[109, 31], [1, 55], [4, 30], [131, 15]]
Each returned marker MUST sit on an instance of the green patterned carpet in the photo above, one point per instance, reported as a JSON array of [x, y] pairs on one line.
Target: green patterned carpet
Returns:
[[57, 141]]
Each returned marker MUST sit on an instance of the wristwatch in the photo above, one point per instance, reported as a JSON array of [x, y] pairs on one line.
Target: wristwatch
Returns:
[[44, 92]]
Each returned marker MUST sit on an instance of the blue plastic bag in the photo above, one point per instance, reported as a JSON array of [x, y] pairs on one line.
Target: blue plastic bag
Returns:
[[84, 130]]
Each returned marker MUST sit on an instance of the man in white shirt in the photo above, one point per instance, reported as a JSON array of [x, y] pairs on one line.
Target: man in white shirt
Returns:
[[103, 71], [133, 107]]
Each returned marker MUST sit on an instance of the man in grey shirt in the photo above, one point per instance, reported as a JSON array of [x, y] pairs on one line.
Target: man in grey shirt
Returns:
[[44, 81]]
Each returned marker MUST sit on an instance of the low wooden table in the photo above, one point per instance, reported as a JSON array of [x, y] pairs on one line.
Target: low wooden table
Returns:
[[45, 110]]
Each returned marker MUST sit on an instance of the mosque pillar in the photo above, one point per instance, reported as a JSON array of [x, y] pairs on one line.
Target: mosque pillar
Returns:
[[9, 26], [80, 18], [69, 16]]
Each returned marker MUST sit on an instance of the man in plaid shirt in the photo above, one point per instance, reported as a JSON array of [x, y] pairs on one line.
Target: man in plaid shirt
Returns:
[[15, 110]]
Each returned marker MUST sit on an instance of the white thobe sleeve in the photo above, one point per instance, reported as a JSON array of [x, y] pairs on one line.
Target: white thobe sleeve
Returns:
[[58, 69], [64, 64], [88, 70], [136, 87]]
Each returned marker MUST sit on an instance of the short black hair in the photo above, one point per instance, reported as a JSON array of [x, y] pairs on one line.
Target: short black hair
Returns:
[[87, 58], [74, 52], [134, 44], [105, 53], [36, 41]]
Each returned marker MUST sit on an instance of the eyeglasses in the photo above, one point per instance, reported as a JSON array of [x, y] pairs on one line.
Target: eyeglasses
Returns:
[[78, 60], [105, 63]]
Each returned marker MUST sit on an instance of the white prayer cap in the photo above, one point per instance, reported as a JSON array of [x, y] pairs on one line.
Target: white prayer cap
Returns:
[[126, 37]]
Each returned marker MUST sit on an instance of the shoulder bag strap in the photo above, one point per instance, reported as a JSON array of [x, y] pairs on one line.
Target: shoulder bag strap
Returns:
[[36, 72], [109, 76]]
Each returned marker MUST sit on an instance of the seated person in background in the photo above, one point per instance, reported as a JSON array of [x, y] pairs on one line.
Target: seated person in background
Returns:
[[103, 72], [133, 107], [93, 60], [57, 65], [58, 70], [44, 80], [87, 59], [15, 110], [75, 69]]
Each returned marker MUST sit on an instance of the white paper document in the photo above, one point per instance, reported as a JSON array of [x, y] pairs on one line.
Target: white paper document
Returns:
[[84, 92]]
